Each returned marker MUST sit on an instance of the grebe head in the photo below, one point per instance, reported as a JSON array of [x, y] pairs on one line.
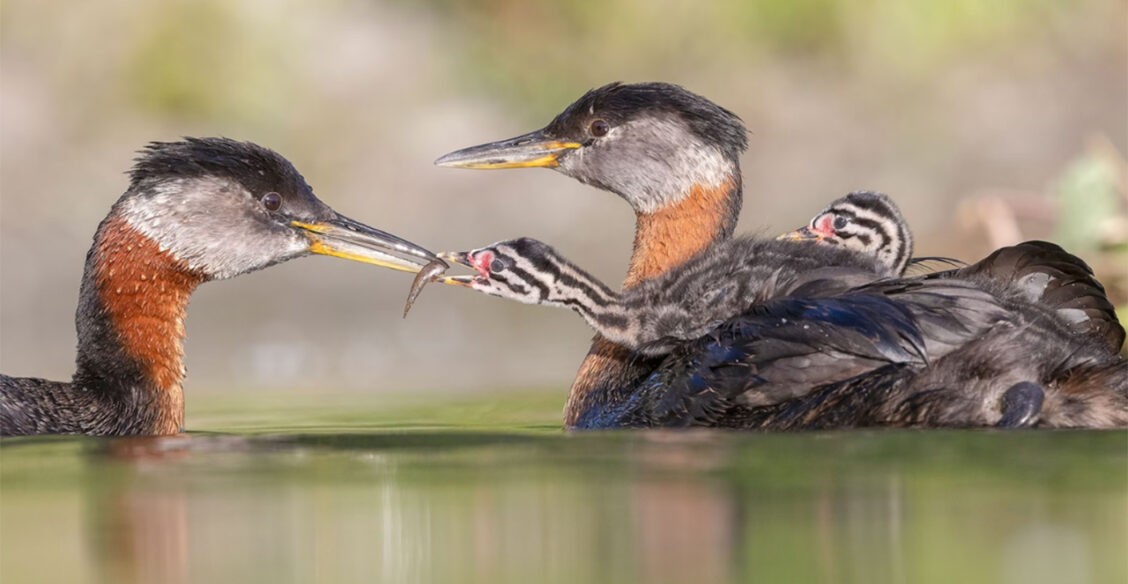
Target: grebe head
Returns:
[[647, 142], [523, 269], [224, 208], [868, 222]]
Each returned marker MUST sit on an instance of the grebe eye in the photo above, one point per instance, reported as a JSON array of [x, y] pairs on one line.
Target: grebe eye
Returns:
[[840, 223], [272, 201], [497, 265], [600, 128]]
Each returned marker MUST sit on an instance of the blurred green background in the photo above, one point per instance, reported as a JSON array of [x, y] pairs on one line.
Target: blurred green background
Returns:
[[988, 121]]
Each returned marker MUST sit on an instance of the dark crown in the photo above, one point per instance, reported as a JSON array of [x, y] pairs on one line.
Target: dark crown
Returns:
[[258, 169], [619, 102]]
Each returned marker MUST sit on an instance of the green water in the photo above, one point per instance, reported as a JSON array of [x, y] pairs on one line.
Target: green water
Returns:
[[490, 490]]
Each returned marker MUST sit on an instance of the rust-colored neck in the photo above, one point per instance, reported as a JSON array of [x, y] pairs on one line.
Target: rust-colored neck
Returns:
[[131, 331], [663, 240], [668, 237]]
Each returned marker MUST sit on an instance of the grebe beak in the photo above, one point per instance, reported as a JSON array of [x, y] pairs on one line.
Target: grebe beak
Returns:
[[803, 234], [352, 240], [535, 149]]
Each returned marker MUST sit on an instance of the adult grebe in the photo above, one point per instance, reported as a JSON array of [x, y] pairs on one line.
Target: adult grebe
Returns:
[[196, 210], [674, 157]]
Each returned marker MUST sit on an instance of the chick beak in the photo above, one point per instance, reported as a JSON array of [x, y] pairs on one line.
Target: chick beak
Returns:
[[803, 234]]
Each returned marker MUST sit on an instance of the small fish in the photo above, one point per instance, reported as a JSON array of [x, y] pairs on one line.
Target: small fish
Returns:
[[425, 276]]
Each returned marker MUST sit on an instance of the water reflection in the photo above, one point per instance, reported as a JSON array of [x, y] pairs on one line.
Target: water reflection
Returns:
[[497, 507], [142, 537]]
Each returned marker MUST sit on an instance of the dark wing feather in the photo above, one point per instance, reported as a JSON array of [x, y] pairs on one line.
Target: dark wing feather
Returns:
[[787, 347], [781, 349], [922, 266], [1045, 273], [872, 355]]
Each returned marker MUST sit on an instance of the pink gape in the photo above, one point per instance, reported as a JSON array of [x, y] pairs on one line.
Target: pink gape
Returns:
[[481, 261], [823, 224]]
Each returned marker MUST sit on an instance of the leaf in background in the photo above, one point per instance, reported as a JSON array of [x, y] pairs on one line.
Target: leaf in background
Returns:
[[1087, 198]]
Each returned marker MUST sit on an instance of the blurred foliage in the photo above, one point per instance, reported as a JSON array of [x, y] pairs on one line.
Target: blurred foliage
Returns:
[[201, 59], [178, 71], [206, 59], [931, 100], [1092, 197], [1089, 198], [539, 52]]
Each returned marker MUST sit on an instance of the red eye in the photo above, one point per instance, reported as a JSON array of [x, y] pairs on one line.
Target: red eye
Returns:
[[600, 128], [272, 201]]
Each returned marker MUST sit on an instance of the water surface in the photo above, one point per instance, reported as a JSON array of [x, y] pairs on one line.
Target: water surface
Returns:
[[490, 490]]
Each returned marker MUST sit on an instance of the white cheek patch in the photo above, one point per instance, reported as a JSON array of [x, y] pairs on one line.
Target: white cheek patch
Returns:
[[651, 162], [204, 223], [688, 164], [155, 215]]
